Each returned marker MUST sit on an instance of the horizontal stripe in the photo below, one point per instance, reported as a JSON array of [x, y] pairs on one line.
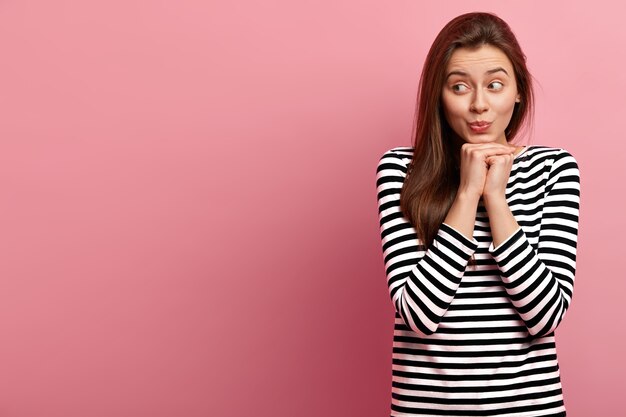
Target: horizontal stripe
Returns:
[[479, 340]]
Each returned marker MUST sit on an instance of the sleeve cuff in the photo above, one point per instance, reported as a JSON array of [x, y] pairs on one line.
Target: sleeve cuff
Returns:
[[496, 252], [471, 244]]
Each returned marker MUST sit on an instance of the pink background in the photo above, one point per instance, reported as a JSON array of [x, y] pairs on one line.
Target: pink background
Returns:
[[188, 219]]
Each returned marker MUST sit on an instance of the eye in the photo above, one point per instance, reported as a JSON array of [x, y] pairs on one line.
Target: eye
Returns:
[[458, 88], [498, 85]]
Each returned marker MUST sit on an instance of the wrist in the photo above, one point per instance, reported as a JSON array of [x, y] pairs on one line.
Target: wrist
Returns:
[[495, 200], [467, 197]]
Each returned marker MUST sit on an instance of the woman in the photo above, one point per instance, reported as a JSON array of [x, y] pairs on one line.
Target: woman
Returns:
[[479, 236]]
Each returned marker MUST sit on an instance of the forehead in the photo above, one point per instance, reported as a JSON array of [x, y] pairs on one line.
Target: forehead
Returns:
[[478, 59]]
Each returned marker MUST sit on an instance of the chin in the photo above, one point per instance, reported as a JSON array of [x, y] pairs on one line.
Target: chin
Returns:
[[479, 138]]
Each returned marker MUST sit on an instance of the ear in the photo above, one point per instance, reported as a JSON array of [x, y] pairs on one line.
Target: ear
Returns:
[[518, 99]]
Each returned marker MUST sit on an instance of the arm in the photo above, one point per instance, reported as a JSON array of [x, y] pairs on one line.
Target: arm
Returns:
[[540, 282], [422, 284]]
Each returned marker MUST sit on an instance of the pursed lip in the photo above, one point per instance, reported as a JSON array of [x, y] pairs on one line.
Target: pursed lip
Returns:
[[480, 123], [479, 127]]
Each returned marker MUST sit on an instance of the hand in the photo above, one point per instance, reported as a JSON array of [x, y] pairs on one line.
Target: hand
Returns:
[[499, 169], [475, 167]]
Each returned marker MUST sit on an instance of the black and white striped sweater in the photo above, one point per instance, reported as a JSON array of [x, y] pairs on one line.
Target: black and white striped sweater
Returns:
[[479, 340]]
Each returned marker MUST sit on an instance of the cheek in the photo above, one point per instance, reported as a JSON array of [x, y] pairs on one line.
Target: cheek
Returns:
[[506, 107], [452, 108]]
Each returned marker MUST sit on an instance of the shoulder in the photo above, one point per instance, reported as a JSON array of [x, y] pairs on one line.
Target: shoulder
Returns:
[[397, 158], [548, 155], [393, 167], [399, 152], [558, 164]]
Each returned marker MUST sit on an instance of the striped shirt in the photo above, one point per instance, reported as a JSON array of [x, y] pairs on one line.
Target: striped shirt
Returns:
[[479, 340]]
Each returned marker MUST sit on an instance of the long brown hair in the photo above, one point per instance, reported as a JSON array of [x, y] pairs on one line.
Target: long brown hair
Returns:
[[433, 175]]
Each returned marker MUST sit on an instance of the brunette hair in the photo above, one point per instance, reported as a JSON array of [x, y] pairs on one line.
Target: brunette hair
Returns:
[[433, 174]]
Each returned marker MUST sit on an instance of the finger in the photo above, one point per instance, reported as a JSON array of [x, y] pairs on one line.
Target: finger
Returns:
[[483, 156], [482, 145], [499, 160], [491, 160], [488, 148], [477, 156], [496, 150]]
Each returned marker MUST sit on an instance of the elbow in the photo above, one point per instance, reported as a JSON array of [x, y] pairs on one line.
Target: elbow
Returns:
[[417, 315], [419, 328], [417, 322], [546, 328], [545, 322], [541, 332]]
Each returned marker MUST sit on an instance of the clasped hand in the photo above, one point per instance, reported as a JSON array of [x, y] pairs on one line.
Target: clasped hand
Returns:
[[485, 169]]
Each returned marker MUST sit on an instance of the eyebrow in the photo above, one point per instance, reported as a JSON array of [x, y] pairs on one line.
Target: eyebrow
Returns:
[[463, 74]]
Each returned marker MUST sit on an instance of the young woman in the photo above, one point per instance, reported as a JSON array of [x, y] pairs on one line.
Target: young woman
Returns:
[[478, 235]]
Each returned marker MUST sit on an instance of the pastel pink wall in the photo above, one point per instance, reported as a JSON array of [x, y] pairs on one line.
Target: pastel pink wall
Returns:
[[188, 221]]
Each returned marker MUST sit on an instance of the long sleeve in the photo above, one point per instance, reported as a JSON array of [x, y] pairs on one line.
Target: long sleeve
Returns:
[[540, 282], [422, 283]]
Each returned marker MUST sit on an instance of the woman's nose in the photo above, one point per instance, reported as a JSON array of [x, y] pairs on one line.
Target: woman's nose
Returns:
[[479, 103]]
